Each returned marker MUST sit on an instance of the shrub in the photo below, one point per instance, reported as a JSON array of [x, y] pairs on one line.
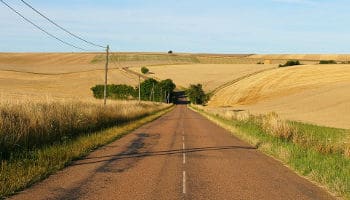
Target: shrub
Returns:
[[114, 91], [328, 62], [290, 63], [170, 52], [144, 70]]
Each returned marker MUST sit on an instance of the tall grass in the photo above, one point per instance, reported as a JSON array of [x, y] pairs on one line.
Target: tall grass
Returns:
[[322, 139], [26, 125], [318, 153]]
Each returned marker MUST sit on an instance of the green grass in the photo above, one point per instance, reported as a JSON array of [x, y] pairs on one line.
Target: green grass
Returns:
[[26, 168], [329, 169], [322, 139]]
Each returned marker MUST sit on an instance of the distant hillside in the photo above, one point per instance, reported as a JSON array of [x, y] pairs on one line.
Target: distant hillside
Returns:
[[311, 93]]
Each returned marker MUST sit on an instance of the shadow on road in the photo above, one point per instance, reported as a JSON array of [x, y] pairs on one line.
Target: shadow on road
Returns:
[[157, 153], [181, 98]]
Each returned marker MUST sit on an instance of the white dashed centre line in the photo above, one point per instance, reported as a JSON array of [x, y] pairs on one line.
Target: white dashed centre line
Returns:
[[183, 161], [184, 182]]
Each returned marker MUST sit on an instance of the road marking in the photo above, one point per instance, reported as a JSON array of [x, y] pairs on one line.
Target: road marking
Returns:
[[184, 182], [183, 138], [184, 158], [183, 146]]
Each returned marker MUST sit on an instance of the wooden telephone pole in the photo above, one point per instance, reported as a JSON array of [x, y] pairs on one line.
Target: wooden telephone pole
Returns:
[[139, 88], [106, 71]]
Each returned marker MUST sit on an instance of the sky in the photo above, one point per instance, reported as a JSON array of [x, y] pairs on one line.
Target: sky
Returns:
[[199, 26]]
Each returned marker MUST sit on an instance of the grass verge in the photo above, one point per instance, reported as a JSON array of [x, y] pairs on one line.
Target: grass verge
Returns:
[[27, 168], [328, 169]]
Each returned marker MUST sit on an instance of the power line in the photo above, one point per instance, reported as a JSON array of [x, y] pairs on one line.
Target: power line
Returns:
[[38, 27], [62, 28]]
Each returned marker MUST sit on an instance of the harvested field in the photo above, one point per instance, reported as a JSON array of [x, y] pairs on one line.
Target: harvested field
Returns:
[[314, 93], [210, 76], [50, 63], [72, 85], [303, 57]]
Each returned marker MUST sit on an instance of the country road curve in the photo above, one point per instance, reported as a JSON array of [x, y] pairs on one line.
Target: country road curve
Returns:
[[181, 155]]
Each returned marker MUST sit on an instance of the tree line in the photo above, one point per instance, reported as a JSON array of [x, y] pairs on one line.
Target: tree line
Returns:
[[150, 90]]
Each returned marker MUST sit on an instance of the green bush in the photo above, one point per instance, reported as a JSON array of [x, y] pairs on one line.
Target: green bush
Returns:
[[322, 62], [290, 63], [114, 91], [196, 94], [144, 70]]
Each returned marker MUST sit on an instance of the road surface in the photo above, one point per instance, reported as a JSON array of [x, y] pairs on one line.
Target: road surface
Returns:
[[181, 155]]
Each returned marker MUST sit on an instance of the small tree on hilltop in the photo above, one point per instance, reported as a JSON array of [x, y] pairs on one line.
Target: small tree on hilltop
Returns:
[[144, 70]]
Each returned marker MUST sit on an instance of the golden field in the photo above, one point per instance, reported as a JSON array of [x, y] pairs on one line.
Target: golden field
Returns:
[[317, 94], [310, 93], [70, 85], [305, 57], [71, 75], [210, 76]]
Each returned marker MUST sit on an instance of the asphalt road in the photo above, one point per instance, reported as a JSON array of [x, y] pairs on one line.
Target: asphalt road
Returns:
[[181, 155]]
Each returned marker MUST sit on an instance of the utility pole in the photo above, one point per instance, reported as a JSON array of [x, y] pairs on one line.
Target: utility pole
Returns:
[[106, 71], [153, 92], [139, 88]]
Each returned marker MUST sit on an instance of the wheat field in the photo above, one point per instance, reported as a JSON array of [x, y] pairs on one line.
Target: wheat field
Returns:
[[302, 57], [312, 93], [210, 76], [71, 85]]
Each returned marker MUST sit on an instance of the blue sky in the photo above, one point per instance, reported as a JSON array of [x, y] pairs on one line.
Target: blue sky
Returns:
[[221, 26]]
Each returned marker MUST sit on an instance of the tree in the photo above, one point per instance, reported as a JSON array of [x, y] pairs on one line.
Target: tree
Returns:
[[170, 52], [147, 89], [290, 63], [144, 70], [166, 89], [328, 62], [196, 94], [151, 90]]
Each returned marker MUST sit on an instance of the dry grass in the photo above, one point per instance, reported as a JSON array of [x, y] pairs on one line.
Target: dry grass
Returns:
[[312, 93], [25, 125], [321, 139], [210, 76]]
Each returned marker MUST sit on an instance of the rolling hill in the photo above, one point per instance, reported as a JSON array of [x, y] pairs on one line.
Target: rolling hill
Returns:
[[312, 93]]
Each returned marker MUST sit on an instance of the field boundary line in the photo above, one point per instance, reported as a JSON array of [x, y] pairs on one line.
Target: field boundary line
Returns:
[[237, 80]]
